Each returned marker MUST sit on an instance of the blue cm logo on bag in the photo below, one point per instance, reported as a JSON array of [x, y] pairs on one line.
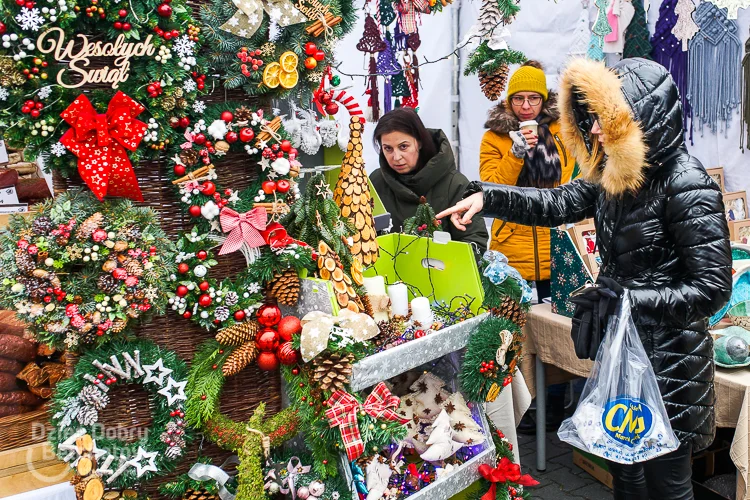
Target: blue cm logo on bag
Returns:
[[627, 420]]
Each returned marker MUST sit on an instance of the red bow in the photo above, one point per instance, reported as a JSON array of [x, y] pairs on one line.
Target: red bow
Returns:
[[100, 142], [505, 472], [275, 236], [343, 409], [242, 228]]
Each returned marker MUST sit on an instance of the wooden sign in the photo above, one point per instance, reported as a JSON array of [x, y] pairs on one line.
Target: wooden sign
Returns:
[[80, 50], [314, 9]]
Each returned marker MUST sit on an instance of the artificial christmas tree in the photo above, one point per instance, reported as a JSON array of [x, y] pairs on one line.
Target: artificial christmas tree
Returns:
[[331, 269], [423, 223], [599, 30]]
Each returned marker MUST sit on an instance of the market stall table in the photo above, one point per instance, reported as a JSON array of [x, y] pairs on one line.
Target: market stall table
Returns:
[[550, 359]]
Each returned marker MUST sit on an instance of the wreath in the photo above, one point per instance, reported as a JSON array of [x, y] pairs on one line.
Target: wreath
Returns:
[[81, 272], [155, 73], [266, 54], [79, 400]]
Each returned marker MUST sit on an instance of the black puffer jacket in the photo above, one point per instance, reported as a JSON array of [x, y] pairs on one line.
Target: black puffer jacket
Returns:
[[659, 218]]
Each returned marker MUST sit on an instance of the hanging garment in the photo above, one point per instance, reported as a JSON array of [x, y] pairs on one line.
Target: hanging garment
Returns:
[[624, 12]]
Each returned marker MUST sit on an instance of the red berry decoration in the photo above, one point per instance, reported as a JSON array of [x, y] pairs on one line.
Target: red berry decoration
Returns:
[[183, 268], [231, 137], [117, 25], [209, 188], [267, 361], [120, 273], [205, 300], [186, 315], [267, 339], [179, 170], [199, 139], [123, 13], [204, 286], [319, 56], [268, 187], [239, 315], [283, 186], [164, 10], [227, 116], [126, 26], [247, 134], [195, 211], [310, 49], [99, 235], [311, 63], [182, 290], [269, 315], [287, 354], [288, 327]]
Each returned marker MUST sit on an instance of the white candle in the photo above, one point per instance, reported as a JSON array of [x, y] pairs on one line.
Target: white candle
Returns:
[[399, 296], [375, 285], [421, 312]]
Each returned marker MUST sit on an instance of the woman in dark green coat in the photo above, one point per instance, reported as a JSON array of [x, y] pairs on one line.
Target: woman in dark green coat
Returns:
[[415, 162]]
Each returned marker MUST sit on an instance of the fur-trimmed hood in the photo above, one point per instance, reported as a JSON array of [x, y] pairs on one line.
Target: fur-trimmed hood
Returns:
[[640, 113], [501, 119]]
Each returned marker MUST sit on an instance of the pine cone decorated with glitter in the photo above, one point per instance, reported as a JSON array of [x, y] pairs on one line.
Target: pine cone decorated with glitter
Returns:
[[88, 415], [332, 371], [9, 75], [88, 337], [36, 288], [178, 92], [239, 359], [285, 287], [87, 228], [189, 157], [168, 103], [129, 233], [108, 284], [201, 494], [42, 225], [133, 267], [92, 396], [24, 262], [238, 334], [243, 114], [118, 325], [182, 103]]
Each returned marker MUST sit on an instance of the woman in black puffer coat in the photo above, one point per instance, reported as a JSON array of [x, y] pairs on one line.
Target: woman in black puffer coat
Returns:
[[662, 235]]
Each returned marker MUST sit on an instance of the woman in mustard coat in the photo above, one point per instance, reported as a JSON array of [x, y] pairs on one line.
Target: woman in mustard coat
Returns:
[[523, 158]]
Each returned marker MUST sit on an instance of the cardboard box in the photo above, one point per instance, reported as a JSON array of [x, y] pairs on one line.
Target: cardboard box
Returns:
[[30, 468], [595, 466], [717, 174], [739, 231]]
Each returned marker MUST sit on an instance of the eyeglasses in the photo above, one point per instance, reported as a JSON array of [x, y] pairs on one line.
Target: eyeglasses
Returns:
[[534, 100]]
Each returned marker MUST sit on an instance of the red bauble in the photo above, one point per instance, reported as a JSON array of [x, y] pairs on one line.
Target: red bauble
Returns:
[[267, 339], [117, 25], [326, 98], [288, 327], [183, 268], [195, 211], [239, 315], [267, 361], [319, 55], [286, 146], [184, 122], [311, 63], [209, 188], [182, 290], [120, 273], [204, 300], [247, 134], [268, 315], [99, 235], [204, 286], [283, 186], [164, 10], [332, 108], [126, 26], [231, 137], [310, 49], [268, 187], [202, 254], [227, 116], [419, 334], [199, 139], [287, 354], [186, 315], [2, 28], [123, 13], [179, 170]]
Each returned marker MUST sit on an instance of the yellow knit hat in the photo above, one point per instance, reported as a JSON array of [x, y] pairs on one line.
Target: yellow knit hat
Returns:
[[528, 79]]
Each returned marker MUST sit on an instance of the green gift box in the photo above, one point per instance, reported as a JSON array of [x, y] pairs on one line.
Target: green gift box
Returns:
[[567, 271], [438, 271]]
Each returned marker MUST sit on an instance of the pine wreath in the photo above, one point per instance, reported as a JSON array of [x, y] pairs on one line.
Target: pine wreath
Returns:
[[81, 270], [156, 63], [79, 399]]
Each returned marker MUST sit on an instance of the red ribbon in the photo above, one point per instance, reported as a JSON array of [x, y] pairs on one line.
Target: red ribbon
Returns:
[[343, 409], [100, 142], [275, 236], [242, 228], [505, 472]]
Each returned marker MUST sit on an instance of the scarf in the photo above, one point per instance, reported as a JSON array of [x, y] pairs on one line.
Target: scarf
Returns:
[[541, 166]]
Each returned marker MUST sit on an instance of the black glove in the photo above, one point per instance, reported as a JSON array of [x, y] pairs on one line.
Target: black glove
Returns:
[[594, 306]]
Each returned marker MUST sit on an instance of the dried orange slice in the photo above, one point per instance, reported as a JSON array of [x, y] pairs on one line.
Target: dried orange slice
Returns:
[[289, 61], [271, 75], [289, 80]]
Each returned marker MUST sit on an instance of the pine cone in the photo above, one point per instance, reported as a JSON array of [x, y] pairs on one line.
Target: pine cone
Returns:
[[9, 75], [24, 262], [133, 267], [238, 334], [118, 325], [88, 337], [285, 287], [332, 371], [108, 284], [168, 103], [88, 415], [510, 309], [240, 358], [189, 157], [243, 114], [129, 233], [201, 494], [493, 84], [367, 306], [87, 228], [93, 397], [42, 225], [178, 92], [35, 288]]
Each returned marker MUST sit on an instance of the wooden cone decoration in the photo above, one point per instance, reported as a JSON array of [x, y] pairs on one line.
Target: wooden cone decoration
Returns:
[[330, 268], [238, 333], [239, 359], [352, 195]]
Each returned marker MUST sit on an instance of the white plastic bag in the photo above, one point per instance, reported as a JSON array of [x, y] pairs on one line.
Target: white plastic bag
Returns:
[[621, 416]]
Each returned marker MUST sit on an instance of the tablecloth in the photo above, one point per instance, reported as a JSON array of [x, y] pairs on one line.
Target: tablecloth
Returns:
[[62, 491], [548, 336]]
